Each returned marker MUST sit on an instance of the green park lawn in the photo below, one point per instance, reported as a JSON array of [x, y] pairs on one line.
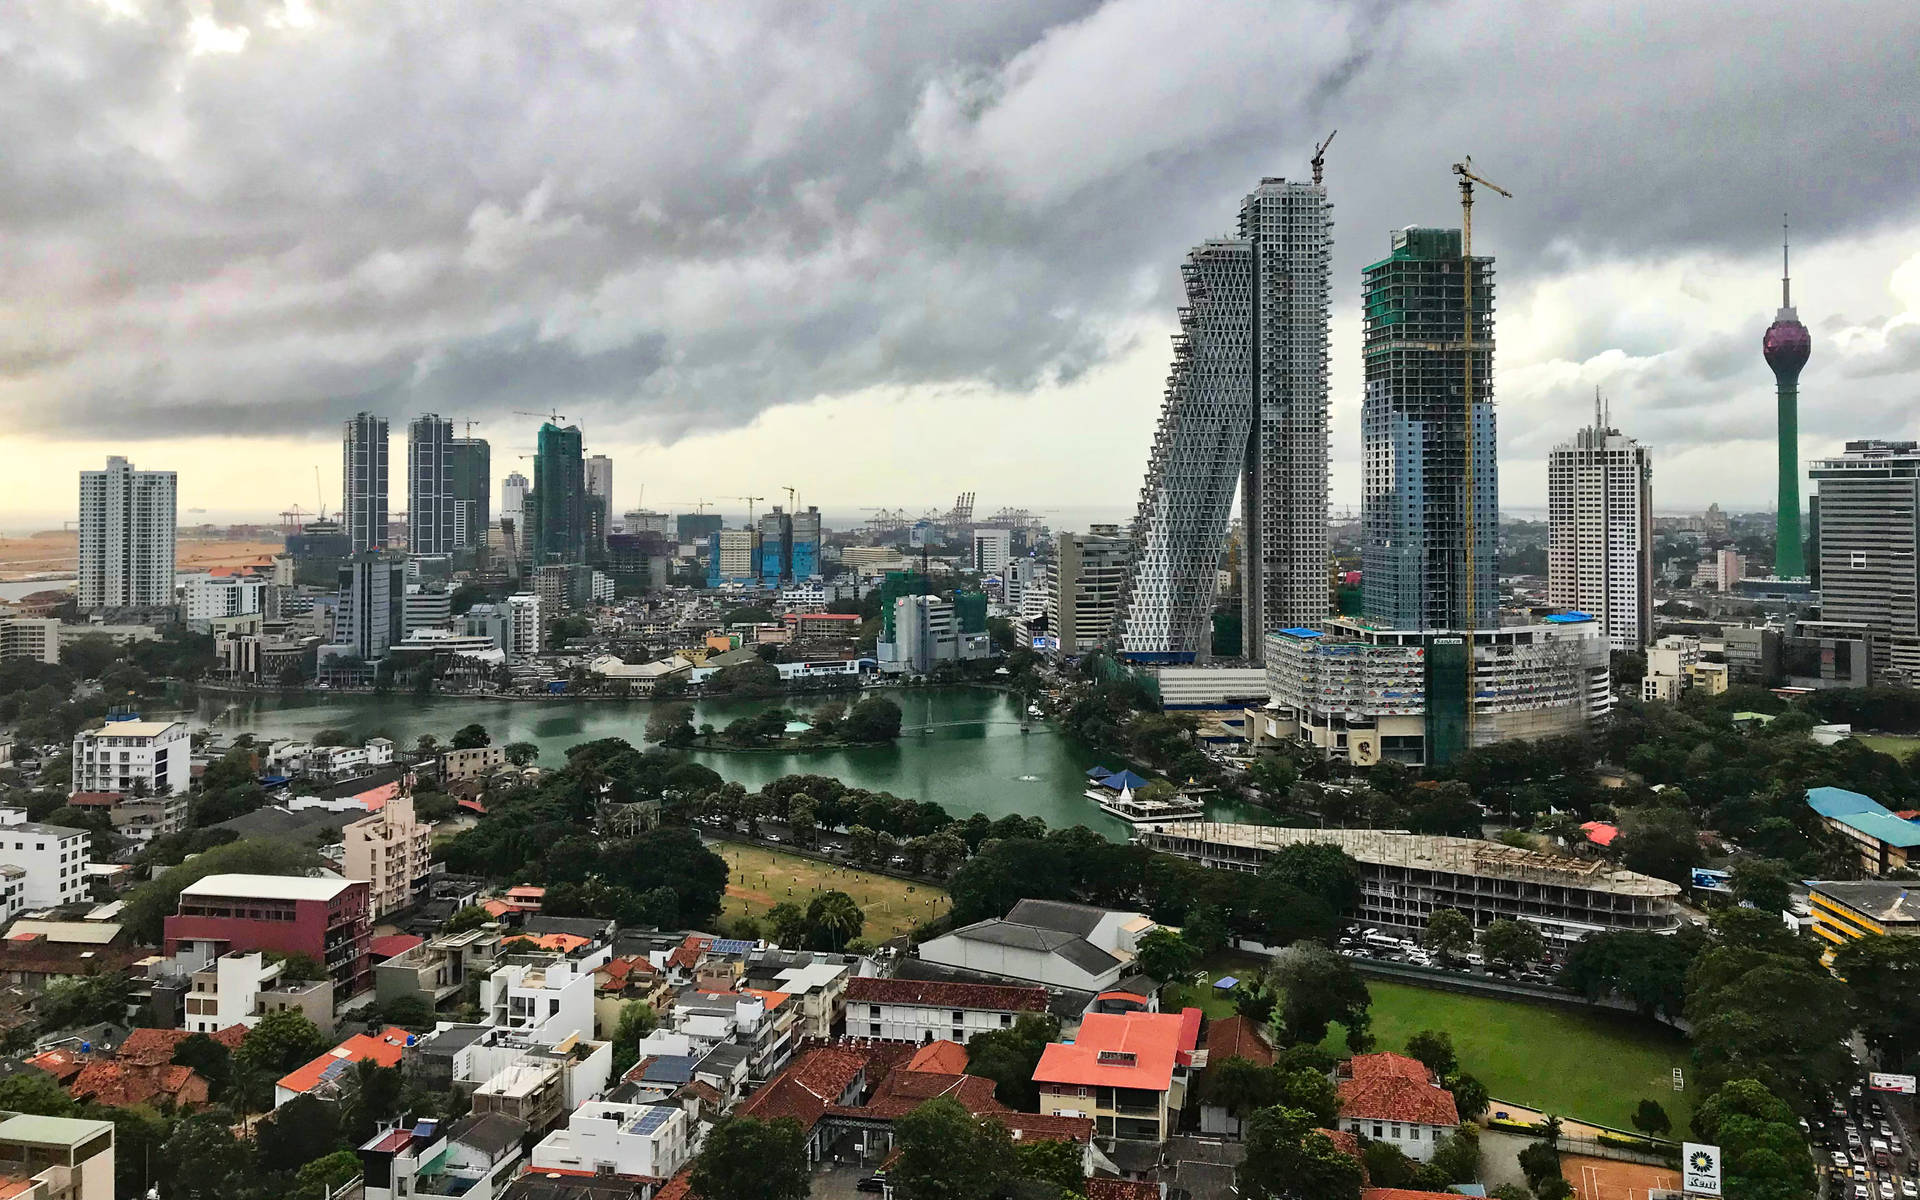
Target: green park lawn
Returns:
[[759, 878], [1898, 745], [1591, 1065]]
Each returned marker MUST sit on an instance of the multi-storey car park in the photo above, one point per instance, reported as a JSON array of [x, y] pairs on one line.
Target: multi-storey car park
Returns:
[[1405, 877]]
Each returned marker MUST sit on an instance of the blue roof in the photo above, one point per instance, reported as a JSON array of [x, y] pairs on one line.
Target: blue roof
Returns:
[[1570, 618], [1226, 983], [1864, 814], [1098, 772], [669, 1068], [1123, 779], [1834, 802], [1301, 631]]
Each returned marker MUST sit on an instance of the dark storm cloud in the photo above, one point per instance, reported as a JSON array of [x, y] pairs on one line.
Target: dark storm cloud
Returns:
[[661, 219]]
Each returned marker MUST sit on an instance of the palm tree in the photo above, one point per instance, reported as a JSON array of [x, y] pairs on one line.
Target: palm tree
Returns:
[[837, 916]]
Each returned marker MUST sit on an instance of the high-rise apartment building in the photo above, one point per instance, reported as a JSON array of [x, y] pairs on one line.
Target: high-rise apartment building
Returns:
[[1084, 588], [1600, 532], [513, 495], [363, 482], [776, 547], [1421, 452], [560, 525], [470, 469], [126, 532], [430, 519], [599, 476], [734, 557], [806, 544], [1868, 544], [1245, 404], [991, 550]]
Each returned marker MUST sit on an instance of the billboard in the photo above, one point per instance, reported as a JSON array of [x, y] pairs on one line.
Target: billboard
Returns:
[[1882, 1082], [1708, 880], [1700, 1169]]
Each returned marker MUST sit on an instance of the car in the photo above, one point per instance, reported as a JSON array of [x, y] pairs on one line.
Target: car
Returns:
[[776, 839], [1861, 1173], [1860, 1192], [1840, 1160], [1886, 1189], [871, 1183], [1886, 1129], [1856, 1153], [1909, 1189]]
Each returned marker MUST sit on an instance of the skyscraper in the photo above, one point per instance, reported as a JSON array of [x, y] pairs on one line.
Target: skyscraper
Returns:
[[560, 525], [1415, 434], [806, 543], [430, 517], [1246, 404], [127, 520], [363, 482], [776, 547], [1600, 531], [1869, 542], [599, 471], [1786, 347], [471, 471], [513, 495]]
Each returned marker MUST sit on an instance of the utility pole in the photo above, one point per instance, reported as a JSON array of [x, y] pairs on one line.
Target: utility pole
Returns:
[[1464, 169]]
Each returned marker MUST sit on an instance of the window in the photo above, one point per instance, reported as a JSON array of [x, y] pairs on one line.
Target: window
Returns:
[[1376, 1129]]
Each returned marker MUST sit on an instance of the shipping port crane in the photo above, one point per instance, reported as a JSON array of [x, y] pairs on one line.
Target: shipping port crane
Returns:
[[1464, 169]]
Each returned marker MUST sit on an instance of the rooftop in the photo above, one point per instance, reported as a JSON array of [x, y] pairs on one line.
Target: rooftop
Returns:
[[1075, 949], [1421, 852], [1864, 814], [385, 1049], [49, 1131], [935, 994], [133, 729], [1884, 902], [1133, 1050], [270, 887]]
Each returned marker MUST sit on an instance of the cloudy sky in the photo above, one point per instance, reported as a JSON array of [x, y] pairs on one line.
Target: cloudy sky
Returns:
[[884, 253]]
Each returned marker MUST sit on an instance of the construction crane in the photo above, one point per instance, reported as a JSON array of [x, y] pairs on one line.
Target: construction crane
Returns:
[[1464, 169], [318, 493], [699, 506], [549, 416], [793, 503], [1319, 158], [750, 502]]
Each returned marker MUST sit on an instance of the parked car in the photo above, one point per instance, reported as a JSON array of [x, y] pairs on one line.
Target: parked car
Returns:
[[871, 1183]]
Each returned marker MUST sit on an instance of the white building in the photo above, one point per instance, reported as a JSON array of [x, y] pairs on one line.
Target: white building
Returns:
[[126, 537], [1869, 540], [1046, 942], [804, 597], [53, 857], [650, 1141], [513, 495], [37, 638], [129, 756], [240, 988], [603, 588], [393, 852], [1393, 1098], [223, 594], [426, 608], [921, 1010], [1600, 538], [548, 1000], [55, 1158], [991, 550], [523, 627], [474, 1158], [645, 520]]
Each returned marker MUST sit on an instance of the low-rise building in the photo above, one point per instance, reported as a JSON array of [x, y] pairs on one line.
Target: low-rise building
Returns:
[[240, 988], [438, 970], [1228, 1038], [1880, 840], [324, 918], [51, 859], [473, 762], [814, 981], [648, 1143], [1847, 910], [326, 1075], [1127, 1071], [55, 1158], [916, 1010], [548, 996], [1046, 942], [474, 1158], [393, 852], [1393, 1098], [35, 638], [137, 818], [133, 757]]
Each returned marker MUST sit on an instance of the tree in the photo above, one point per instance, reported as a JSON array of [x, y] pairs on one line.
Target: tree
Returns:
[[427, 745], [1457, 1157], [1318, 869], [202, 1160], [301, 1130], [1009, 1056], [1649, 1118], [522, 754], [1663, 842], [83, 1000], [875, 719], [1434, 1049], [1287, 1159], [209, 1059], [1512, 944], [283, 1039], [1762, 1151], [1883, 990], [1539, 1162], [324, 1176], [1320, 987], [152, 902], [637, 1020], [471, 737], [945, 1152], [1449, 934], [1054, 1162], [833, 920], [36, 1095], [749, 1159], [473, 916], [671, 725], [788, 925], [1470, 1096], [1166, 956], [408, 1012]]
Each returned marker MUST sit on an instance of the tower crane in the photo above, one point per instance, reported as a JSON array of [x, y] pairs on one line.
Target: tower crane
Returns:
[[549, 415], [793, 502], [1319, 158], [750, 502], [1464, 169]]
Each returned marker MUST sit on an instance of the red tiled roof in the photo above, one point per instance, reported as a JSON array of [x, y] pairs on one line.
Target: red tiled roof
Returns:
[[497, 908], [1237, 1037], [1104, 1188], [680, 1187], [1133, 1049], [807, 1086], [942, 1057], [94, 799], [1400, 1194], [384, 1049], [1347, 1144], [119, 1085], [62, 1064], [154, 1047], [1385, 1063], [1397, 1098], [687, 954], [1600, 834], [394, 944], [935, 994]]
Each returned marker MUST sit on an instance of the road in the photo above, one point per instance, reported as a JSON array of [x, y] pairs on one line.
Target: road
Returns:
[[1849, 1133]]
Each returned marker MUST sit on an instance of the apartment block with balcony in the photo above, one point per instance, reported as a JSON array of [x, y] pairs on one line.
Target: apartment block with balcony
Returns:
[[474, 1158], [393, 852], [547, 996], [436, 971], [55, 1158], [133, 757], [239, 989], [1127, 1071], [324, 918], [52, 859]]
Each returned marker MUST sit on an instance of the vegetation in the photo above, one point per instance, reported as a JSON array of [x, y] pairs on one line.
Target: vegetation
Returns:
[[761, 879], [152, 902], [1289, 1159], [747, 1159], [1009, 1056]]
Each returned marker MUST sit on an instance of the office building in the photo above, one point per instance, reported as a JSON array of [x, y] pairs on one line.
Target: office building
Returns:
[[640, 562], [1600, 531], [363, 483], [1021, 576], [126, 537], [646, 521], [513, 495], [36, 638], [697, 529], [133, 757], [425, 608], [1416, 469], [1088, 573], [560, 522], [1245, 403], [1868, 544], [222, 592], [929, 630], [1786, 346], [1848, 910], [776, 547], [55, 1158], [734, 558], [1677, 664], [51, 860], [1405, 877], [430, 510], [392, 852], [805, 541], [1882, 841], [1360, 694], [598, 470], [371, 615], [992, 548], [470, 472], [324, 918]]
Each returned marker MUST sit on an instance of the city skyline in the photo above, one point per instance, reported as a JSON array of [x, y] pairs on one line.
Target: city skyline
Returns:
[[572, 278]]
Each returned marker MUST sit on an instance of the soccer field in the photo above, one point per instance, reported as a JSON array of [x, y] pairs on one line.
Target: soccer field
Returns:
[[1588, 1064], [1896, 744], [760, 878]]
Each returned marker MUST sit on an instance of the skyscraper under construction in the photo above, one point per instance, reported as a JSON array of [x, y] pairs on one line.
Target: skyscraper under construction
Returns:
[[1246, 404], [1416, 437]]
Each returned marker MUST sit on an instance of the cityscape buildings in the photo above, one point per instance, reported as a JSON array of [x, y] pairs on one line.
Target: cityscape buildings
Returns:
[[1867, 541], [324, 918], [363, 483], [806, 544], [559, 533], [513, 495], [1786, 347], [1416, 433], [126, 537], [991, 550], [1084, 586], [598, 471], [470, 470], [1600, 539], [430, 511], [132, 757], [1246, 404], [776, 547]]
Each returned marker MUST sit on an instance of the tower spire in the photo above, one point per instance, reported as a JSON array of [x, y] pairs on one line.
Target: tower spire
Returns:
[[1786, 276]]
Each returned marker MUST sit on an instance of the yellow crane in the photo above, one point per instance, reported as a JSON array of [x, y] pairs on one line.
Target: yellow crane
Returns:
[[550, 416], [1464, 169], [750, 501]]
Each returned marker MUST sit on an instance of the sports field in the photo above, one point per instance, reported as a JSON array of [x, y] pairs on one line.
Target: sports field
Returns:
[[1586, 1064], [1605, 1179], [1898, 745], [762, 878]]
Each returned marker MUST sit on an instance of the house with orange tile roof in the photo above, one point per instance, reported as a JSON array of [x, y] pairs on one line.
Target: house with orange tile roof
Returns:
[[1128, 1072], [324, 1074], [1228, 1038], [1393, 1098]]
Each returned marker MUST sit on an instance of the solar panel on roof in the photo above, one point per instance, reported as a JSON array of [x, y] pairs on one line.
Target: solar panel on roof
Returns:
[[732, 946], [650, 1119]]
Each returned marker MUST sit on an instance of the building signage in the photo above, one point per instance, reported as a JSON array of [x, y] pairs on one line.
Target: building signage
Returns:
[[1708, 880], [1881, 1082], [1700, 1169]]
